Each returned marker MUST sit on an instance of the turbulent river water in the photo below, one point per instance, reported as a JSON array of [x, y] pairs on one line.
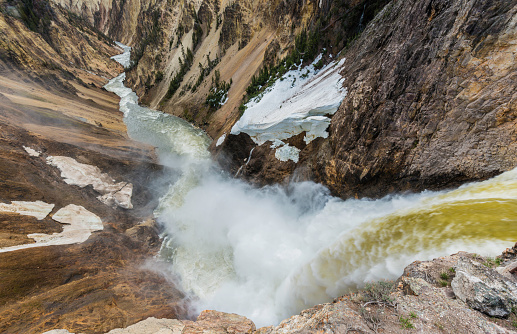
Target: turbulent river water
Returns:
[[268, 253]]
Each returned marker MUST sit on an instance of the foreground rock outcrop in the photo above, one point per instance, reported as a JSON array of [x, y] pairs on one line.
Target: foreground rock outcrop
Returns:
[[483, 289]]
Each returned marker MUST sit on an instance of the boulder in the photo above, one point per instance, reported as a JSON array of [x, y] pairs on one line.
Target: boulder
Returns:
[[484, 289]]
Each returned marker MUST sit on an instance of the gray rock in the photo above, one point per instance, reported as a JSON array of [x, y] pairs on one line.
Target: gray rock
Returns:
[[484, 289]]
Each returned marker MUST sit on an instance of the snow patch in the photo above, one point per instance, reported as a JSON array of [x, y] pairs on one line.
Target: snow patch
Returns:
[[220, 140], [299, 101], [76, 173], [286, 153], [32, 152], [80, 223], [124, 58], [277, 143], [36, 209]]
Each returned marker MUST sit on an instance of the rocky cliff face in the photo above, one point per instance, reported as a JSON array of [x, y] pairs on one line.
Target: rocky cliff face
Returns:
[[431, 100], [430, 104], [427, 82]]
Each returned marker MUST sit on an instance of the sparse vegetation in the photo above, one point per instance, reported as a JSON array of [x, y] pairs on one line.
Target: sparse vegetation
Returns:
[[412, 315], [197, 35], [185, 65], [36, 16], [489, 262], [218, 21], [444, 283], [373, 319], [242, 109], [444, 275], [204, 71], [378, 293], [151, 37], [218, 92], [406, 323], [305, 49], [159, 76]]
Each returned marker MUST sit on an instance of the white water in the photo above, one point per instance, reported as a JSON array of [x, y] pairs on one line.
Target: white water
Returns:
[[269, 253]]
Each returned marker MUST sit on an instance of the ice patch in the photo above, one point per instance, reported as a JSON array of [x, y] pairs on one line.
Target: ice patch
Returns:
[[277, 143], [124, 58], [299, 101], [80, 223], [32, 152], [36, 209], [286, 153], [81, 175], [220, 140]]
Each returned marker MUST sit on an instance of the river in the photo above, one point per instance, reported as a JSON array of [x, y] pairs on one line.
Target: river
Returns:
[[268, 253]]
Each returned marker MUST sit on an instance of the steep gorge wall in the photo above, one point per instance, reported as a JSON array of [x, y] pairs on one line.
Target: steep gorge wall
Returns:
[[431, 103], [236, 39], [233, 38], [430, 99]]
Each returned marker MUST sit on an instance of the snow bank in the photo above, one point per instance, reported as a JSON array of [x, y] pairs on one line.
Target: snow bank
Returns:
[[80, 223], [286, 153], [220, 140], [36, 209], [32, 152], [81, 175], [299, 101]]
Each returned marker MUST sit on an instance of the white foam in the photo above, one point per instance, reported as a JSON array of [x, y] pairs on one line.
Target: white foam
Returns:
[[79, 224], [299, 101], [36, 209], [76, 173], [267, 253], [124, 58]]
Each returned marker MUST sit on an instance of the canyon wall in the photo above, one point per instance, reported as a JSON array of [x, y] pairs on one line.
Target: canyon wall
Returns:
[[430, 104], [430, 100]]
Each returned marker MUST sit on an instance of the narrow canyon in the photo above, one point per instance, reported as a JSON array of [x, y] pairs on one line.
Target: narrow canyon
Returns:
[[251, 166]]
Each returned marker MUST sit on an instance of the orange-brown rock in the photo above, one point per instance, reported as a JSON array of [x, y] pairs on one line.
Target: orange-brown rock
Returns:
[[52, 103]]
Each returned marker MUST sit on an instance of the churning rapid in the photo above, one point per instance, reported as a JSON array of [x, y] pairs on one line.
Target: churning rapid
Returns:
[[269, 253]]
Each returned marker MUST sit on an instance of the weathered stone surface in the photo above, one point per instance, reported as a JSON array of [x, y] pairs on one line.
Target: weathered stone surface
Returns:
[[214, 322], [484, 289], [430, 104]]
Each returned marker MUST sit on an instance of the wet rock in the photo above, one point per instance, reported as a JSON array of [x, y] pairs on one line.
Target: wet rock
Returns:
[[484, 289]]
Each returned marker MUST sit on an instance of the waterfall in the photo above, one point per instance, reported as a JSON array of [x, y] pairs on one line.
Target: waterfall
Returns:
[[268, 253]]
